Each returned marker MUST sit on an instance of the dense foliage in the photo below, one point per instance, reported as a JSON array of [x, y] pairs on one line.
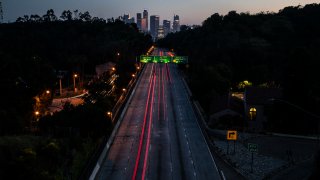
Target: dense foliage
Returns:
[[33, 52], [270, 49], [34, 49]]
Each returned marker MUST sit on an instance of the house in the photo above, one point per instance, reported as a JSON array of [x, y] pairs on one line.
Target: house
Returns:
[[255, 99]]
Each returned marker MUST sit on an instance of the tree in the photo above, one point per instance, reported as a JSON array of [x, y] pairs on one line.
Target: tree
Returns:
[[50, 16], [35, 18], [66, 15], [85, 16]]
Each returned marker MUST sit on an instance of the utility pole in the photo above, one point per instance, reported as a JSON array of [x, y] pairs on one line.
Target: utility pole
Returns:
[[1, 13]]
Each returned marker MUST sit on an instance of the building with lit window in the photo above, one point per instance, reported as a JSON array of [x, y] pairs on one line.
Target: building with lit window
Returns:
[[160, 32], [255, 100]]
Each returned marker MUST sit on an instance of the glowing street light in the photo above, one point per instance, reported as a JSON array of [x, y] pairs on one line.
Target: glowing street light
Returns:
[[124, 90], [74, 82], [110, 115], [47, 91], [133, 75], [113, 68], [37, 113]]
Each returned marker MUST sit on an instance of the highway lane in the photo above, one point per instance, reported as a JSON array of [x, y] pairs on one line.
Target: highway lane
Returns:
[[159, 137]]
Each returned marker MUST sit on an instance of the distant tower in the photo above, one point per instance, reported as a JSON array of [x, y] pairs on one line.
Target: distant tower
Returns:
[[1, 13], [160, 32], [166, 27], [154, 25], [176, 23], [127, 19], [139, 17], [145, 16]]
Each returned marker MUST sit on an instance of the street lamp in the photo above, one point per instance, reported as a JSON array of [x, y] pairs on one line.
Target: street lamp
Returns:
[[109, 114], [74, 82], [37, 113], [133, 75], [113, 68], [47, 91], [124, 90]]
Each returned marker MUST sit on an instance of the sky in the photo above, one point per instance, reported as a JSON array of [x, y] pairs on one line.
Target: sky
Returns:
[[190, 11]]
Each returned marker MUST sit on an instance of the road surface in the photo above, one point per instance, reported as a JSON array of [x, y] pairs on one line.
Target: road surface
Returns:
[[159, 137]]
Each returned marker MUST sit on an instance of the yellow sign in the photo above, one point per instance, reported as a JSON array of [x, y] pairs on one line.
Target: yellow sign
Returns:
[[232, 135]]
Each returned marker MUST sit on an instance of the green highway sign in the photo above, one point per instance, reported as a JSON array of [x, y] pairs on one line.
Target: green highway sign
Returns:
[[252, 147], [164, 59], [180, 59], [146, 59], [156, 59]]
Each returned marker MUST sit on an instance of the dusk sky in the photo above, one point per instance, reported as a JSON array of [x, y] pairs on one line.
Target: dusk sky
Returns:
[[190, 11]]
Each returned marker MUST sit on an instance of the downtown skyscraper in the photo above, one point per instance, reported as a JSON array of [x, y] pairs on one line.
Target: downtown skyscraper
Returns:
[[139, 18], [166, 27], [144, 21], [154, 25], [176, 23]]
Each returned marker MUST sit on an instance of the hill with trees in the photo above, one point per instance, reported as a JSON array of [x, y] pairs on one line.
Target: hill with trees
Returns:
[[268, 49], [33, 50]]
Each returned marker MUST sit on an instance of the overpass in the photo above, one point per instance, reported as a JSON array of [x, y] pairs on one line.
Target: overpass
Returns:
[[159, 136]]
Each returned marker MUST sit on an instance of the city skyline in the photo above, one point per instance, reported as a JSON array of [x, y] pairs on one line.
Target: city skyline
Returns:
[[190, 12]]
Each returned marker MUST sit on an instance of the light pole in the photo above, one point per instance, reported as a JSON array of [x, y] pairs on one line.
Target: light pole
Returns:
[[37, 114], [110, 115], [74, 82], [60, 84]]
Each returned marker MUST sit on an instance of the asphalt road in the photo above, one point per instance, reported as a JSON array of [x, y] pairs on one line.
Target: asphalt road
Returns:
[[159, 137]]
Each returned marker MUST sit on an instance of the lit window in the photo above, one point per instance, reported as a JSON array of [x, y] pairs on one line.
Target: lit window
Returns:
[[252, 113]]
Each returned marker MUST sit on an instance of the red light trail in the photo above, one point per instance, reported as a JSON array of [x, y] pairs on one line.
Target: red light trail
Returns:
[[143, 127], [146, 155], [157, 77]]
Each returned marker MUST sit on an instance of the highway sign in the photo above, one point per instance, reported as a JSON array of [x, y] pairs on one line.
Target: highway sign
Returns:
[[164, 59], [146, 59], [180, 59], [232, 135], [252, 147]]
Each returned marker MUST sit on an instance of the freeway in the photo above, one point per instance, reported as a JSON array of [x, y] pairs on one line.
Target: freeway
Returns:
[[159, 137]]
